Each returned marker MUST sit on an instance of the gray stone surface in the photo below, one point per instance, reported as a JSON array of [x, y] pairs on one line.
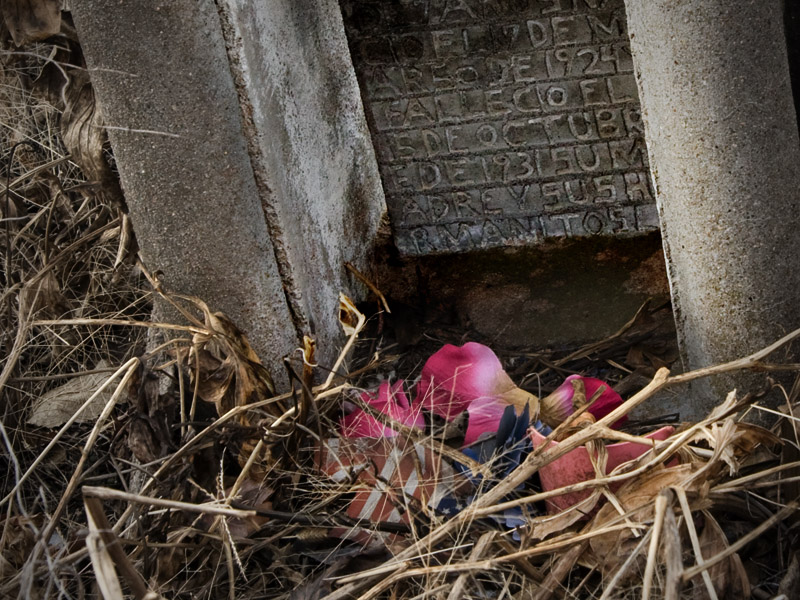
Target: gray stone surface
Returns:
[[244, 155], [161, 75], [723, 145], [311, 149], [501, 123]]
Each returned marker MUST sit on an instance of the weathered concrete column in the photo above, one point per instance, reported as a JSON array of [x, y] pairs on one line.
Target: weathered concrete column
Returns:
[[725, 157], [243, 153], [312, 151]]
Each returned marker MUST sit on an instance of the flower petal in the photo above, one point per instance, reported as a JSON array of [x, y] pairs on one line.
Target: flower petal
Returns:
[[454, 377], [606, 402], [392, 401], [484, 418], [560, 404]]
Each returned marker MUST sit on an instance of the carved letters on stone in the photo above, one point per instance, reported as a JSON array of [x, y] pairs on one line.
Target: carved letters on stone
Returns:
[[502, 122]]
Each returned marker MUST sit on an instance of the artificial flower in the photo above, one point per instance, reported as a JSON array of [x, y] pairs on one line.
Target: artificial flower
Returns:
[[470, 378], [573, 393], [392, 401]]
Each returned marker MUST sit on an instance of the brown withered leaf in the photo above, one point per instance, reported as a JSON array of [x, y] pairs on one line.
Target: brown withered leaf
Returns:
[[20, 536], [82, 127], [729, 577], [227, 344], [612, 549], [547, 525], [147, 439], [31, 20], [253, 496], [214, 379], [57, 406], [42, 295]]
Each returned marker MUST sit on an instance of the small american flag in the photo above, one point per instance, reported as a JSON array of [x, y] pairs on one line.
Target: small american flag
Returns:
[[391, 476]]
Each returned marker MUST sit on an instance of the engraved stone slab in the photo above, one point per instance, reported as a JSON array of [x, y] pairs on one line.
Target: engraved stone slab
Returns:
[[502, 122]]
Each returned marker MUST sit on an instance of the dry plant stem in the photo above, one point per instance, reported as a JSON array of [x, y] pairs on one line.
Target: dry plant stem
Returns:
[[33, 172], [137, 584], [23, 327], [561, 569], [90, 441], [254, 454], [105, 574], [346, 350], [753, 360], [127, 368], [672, 556], [56, 376], [612, 585], [736, 484], [652, 551], [488, 564], [124, 323], [66, 252], [232, 413], [666, 448], [782, 514], [373, 288], [206, 509], [7, 521], [480, 548], [698, 554]]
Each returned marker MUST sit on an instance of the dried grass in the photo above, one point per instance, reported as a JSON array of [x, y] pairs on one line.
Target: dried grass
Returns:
[[193, 479]]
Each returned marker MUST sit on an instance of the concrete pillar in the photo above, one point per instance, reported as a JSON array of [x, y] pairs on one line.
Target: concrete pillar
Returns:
[[311, 147], [243, 152], [725, 157]]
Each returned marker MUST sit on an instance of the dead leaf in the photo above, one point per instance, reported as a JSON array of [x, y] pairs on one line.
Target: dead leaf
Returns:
[[320, 586], [612, 549], [145, 440], [729, 577], [542, 527], [102, 564], [253, 496], [349, 316], [82, 127], [57, 406], [31, 20], [42, 294], [21, 534], [790, 583]]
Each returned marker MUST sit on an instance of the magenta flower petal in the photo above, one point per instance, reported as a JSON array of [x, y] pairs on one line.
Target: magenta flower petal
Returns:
[[392, 401], [559, 405], [606, 402], [484, 417], [454, 377]]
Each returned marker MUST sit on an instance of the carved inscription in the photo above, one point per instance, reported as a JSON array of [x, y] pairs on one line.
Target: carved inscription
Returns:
[[502, 122]]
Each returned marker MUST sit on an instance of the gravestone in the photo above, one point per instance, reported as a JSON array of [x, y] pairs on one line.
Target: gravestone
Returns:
[[502, 122]]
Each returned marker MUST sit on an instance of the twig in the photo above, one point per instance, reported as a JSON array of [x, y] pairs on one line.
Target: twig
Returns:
[[688, 574], [652, 551], [206, 509], [480, 548], [672, 556], [612, 585], [94, 510], [698, 554], [90, 441], [126, 368], [373, 288]]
